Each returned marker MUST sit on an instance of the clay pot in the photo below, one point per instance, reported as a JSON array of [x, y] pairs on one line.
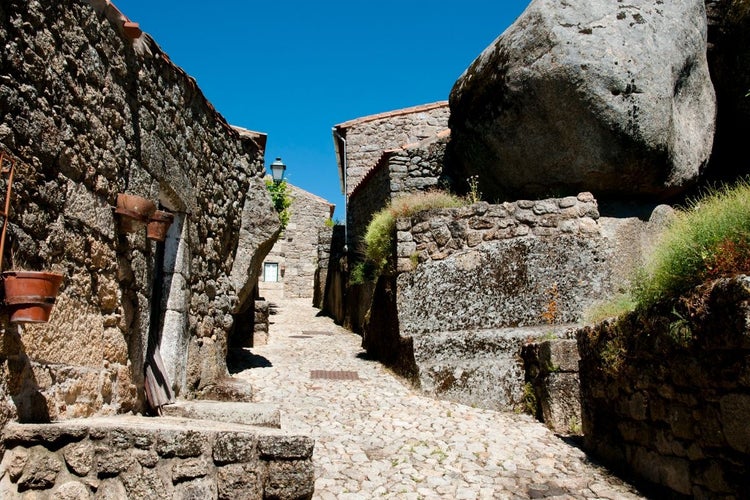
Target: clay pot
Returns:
[[30, 295], [158, 225], [134, 211]]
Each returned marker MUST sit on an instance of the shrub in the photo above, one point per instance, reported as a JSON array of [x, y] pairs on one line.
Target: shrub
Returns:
[[281, 199], [361, 273], [707, 240], [379, 235]]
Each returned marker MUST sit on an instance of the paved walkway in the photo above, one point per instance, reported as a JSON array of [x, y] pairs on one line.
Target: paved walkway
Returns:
[[376, 437]]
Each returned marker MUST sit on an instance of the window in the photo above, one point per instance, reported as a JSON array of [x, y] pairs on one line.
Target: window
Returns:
[[270, 272]]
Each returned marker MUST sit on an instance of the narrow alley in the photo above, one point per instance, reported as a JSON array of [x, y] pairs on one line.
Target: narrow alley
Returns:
[[376, 437]]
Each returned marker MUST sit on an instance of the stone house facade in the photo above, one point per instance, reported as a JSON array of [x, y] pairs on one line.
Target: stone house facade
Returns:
[[289, 268], [412, 168], [360, 145], [91, 107]]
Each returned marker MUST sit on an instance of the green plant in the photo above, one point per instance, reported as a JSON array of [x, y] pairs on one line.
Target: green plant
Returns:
[[613, 355], [282, 200], [615, 306], [708, 239], [474, 195], [362, 272], [380, 231], [574, 426], [414, 258], [680, 331], [530, 404]]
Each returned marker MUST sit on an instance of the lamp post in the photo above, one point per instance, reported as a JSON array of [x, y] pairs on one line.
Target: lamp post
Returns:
[[277, 170]]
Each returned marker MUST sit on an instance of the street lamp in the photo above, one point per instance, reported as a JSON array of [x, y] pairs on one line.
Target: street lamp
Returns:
[[277, 170]]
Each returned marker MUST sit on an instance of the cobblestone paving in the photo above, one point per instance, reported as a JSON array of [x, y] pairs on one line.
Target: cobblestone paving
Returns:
[[376, 437]]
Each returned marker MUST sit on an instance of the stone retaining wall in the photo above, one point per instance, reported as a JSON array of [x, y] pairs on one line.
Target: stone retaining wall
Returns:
[[131, 457], [517, 264], [553, 388], [437, 234], [475, 284], [666, 395]]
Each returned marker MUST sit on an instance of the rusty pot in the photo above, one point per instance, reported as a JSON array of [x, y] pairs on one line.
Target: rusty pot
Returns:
[[158, 225], [134, 211], [30, 295]]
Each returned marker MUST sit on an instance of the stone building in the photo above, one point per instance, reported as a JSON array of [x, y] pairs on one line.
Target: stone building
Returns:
[[361, 143], [289, 268], [90, 107]]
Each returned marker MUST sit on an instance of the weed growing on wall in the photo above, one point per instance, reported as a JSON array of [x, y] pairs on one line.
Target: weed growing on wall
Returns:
[[362, 272], [281, 199], [379, 244], [474, 195], [707, 240]]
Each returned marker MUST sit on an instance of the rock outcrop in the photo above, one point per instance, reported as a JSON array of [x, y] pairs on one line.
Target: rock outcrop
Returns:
[[612, 98]]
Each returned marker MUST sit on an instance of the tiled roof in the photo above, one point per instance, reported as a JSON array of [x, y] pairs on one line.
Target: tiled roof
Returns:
[[391, 114]]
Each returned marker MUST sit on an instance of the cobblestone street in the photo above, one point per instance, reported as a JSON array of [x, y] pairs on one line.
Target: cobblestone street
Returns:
[[376, 437]]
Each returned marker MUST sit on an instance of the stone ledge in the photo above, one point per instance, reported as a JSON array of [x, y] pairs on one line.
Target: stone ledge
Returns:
[[155, 458], [256, 414]]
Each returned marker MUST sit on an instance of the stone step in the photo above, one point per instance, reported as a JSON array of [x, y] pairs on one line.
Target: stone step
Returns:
[[161, 458], [258, 414]]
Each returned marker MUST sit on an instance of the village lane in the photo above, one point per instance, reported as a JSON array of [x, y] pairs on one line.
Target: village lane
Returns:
[[375, 437]]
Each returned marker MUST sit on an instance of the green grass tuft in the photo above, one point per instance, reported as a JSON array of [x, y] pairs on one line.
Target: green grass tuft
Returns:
[[707, 240], [616, 306]]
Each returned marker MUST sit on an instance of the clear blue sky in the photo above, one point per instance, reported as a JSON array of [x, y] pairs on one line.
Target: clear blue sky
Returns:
[[294, 69]]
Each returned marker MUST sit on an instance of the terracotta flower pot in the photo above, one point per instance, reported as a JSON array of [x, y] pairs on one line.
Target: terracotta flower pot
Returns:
[[30, 295], [158, 225], [134, 211]]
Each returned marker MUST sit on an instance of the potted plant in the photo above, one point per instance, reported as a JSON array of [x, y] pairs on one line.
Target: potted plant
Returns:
[[158, 225], [134, 211], [28, 295]]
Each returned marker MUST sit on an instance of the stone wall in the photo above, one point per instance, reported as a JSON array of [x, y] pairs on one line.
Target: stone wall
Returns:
[[411, 169], [504, 265], [309, 215], [91, 113], [666, 394], [296, 250], [368, 137], [477, 283], [553, 389], [130, 457], [372, 195]]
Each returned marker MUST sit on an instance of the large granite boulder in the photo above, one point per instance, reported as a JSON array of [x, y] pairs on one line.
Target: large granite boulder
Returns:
[[609, 97]]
